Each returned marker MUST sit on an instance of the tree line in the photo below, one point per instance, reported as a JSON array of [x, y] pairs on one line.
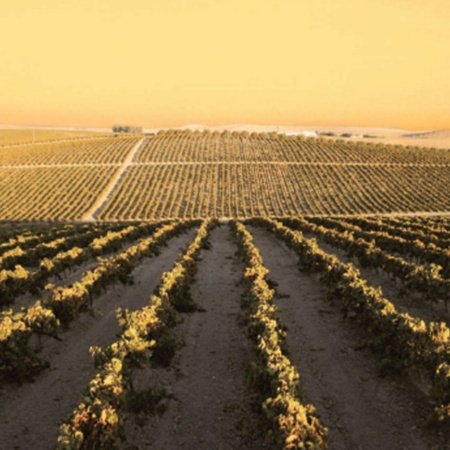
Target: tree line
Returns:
[[127, 129]]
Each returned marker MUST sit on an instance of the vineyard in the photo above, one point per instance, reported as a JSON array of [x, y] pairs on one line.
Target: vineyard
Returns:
[[197, 175], [205, 290], [304, 332], [29, 136]]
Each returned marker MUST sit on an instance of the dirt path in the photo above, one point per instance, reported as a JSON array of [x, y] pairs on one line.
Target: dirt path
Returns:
[[107, 193], [30, 414], [361, 410], [210, 409]]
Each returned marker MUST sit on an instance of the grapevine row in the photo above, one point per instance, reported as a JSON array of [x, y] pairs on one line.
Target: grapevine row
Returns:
[[105, 150], [431, 226], [177, 146], [429, 253], [403, 341], [38, 136], [52, 193], [30, 236], [400, 230], [294, 423], [18, 281], [245, 190], [423, 279], [97, 421], [32, 256], [65, 303]]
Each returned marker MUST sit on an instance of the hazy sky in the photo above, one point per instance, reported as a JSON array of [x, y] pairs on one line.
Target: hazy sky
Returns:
[[173, 62]]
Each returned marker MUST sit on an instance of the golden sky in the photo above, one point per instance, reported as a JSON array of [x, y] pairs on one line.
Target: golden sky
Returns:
[[174, 62]]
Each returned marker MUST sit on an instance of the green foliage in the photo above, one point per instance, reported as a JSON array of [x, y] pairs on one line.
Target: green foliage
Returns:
[[292, 423], [97, 422], [401, 340]]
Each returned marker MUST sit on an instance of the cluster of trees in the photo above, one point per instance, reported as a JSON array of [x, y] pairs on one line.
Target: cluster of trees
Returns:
[[127, 129]]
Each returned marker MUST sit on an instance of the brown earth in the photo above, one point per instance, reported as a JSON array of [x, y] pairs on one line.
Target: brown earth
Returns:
[[30, 414], [361, 409], [211, 406], [405, 302], [208, 405], [63, 279]]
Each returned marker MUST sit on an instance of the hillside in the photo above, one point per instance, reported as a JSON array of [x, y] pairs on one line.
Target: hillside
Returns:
[[193, 174]]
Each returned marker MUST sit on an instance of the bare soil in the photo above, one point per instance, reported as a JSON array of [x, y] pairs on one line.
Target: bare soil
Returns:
[[207, 404], [406, 302], [65, 278], [361, 409], [210, 406], [30, 414]]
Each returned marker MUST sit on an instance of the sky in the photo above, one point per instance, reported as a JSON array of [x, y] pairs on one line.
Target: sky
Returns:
[[168, 63]]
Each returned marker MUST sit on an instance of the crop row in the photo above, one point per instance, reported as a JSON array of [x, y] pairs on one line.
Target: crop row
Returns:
[[26, 255], [97, 421], [38, 136], [249, 190], [87, 151], [401, 229], [65, 303], [403, 341], [432, 226], [51, 193], [394, 244], [186, 146], [426, 280], [82, 247], [200, 175], [28, 236], [294, 424]]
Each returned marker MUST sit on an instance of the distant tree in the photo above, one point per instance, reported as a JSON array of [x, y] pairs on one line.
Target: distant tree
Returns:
[[127, 129]]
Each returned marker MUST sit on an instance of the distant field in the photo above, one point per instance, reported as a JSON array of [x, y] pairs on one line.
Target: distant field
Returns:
[[29, 135], [192, 174], [175, 306]]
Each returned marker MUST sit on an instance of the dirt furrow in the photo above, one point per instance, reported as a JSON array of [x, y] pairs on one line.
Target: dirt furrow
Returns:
[[406, 302], [210, 406], [361, 410], [30, 414], [65, 278]]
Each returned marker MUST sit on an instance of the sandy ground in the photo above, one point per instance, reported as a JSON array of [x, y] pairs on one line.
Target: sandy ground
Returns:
[[30, 414], [210, 408], [409, 302], [63, 279], [361, 410]]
